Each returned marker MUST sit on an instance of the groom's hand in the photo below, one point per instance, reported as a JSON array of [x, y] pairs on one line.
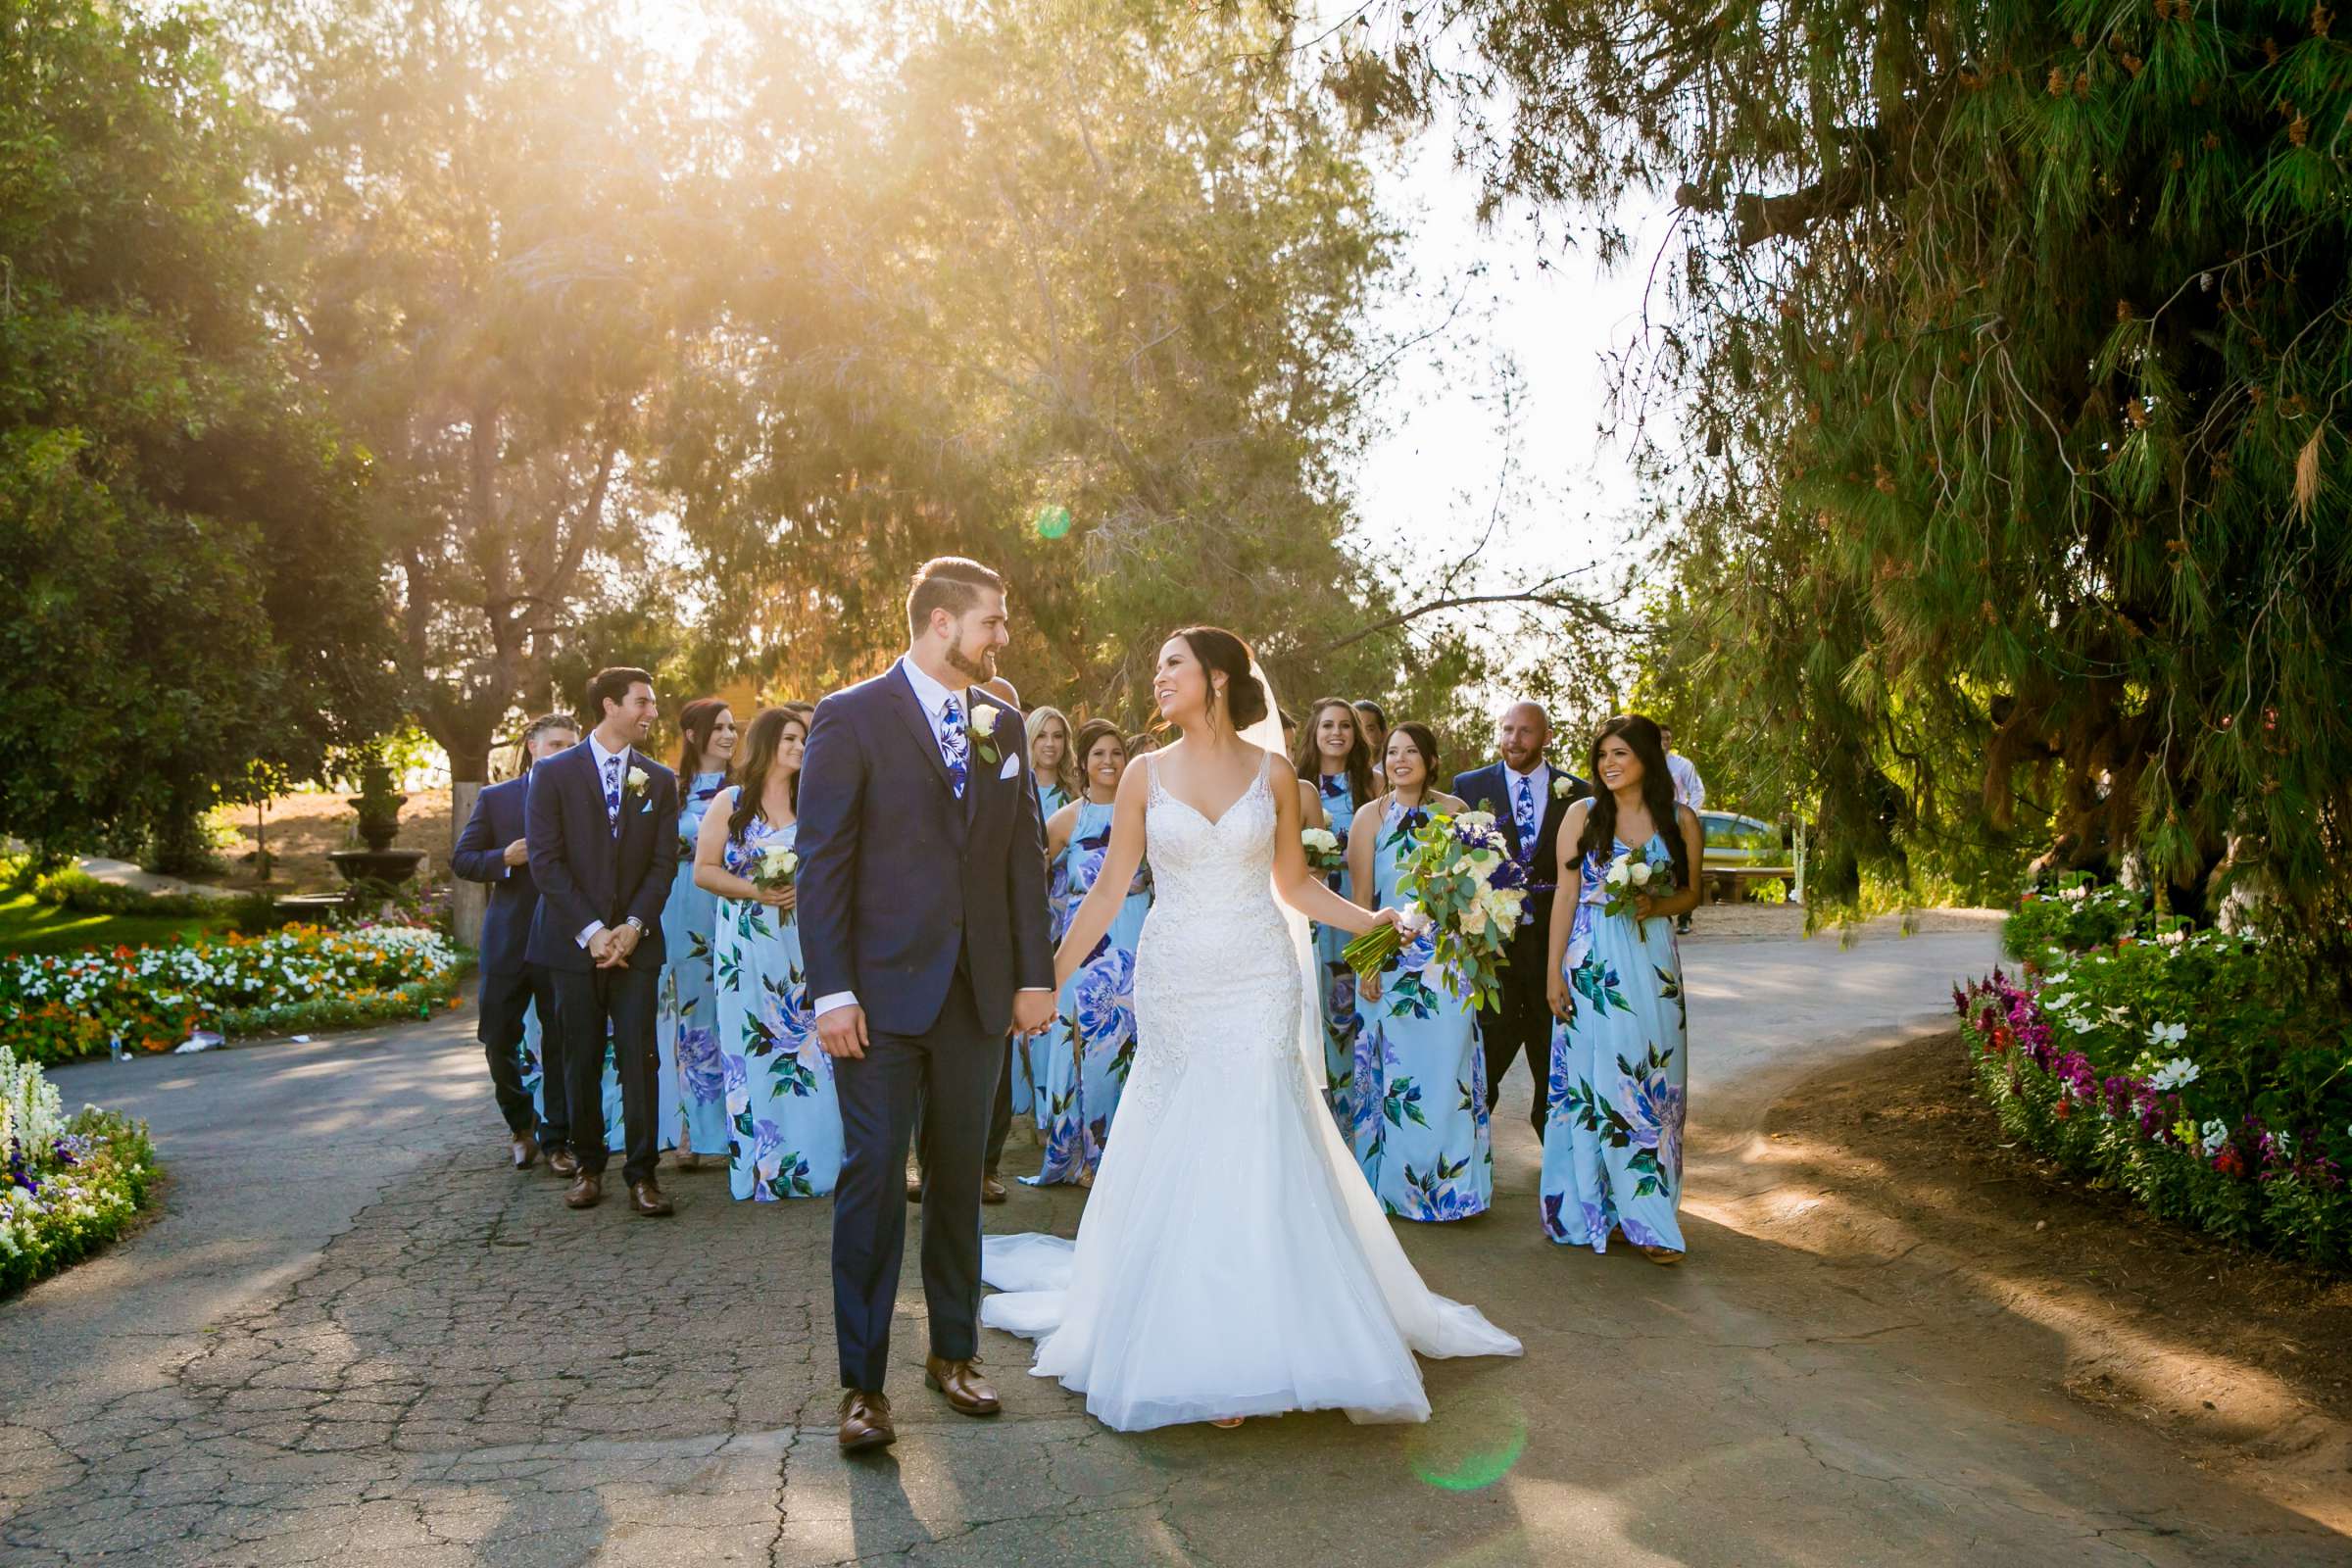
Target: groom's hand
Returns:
[[1032, 1013], [841, 1031]]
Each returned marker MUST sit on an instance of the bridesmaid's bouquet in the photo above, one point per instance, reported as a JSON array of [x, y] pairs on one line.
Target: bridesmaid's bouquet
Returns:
[[775, 868], [1325, 855], [1629, 880], [1467, 886]]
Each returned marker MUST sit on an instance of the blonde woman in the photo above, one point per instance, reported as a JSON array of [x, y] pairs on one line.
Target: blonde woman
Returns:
[[1050, 758]]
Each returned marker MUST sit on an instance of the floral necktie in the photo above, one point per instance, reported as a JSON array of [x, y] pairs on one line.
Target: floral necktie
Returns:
[[613, 793], [1530, 824], [955, 745]]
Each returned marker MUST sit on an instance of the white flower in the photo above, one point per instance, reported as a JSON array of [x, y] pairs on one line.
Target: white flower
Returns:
[[637, 780], [2168, 1034], [2213, 1135], [2173, 938], [984, 719], [1620, 871], [2178, 1073], [1559, 789], [1640, 873], [1412, 920], [1320, 841]]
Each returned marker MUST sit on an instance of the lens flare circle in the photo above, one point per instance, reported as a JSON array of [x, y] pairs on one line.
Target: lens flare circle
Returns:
[[1051, 523]]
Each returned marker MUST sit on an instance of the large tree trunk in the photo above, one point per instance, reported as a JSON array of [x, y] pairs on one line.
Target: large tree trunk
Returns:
[[467, 738]]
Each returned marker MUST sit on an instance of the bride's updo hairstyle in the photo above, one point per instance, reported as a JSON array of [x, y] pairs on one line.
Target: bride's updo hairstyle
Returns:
[[1221, 652]]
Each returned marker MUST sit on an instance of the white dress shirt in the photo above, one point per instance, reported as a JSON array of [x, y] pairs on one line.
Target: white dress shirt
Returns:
[[933, 697], [1689, 789], [601, 757]]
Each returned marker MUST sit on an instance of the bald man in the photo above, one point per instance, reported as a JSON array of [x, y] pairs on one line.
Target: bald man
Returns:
[[1528, 797]]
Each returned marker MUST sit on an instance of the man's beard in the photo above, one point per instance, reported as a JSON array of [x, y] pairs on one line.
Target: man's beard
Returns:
[[981, 669]]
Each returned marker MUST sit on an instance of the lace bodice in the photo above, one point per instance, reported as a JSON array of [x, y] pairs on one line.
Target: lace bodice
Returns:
[[1217, 974]]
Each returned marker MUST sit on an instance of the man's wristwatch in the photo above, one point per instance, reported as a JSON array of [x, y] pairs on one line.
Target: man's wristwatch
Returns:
[[635, 925]]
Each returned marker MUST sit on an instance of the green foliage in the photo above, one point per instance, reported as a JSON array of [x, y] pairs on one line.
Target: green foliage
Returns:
[[183, 589], [2071, 916], [2013, 342], [1098, 262], [92, 1185], [2197, 1070]]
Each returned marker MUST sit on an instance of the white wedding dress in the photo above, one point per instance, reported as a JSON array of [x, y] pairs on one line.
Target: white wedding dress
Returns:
[[1232, 1260]]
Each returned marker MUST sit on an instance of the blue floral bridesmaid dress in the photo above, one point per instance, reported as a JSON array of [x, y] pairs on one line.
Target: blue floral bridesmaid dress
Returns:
[[1420, 1129], [1340, 1021], [1613, 1141], [686, 1026], [1082, 1062], [784, 1121]]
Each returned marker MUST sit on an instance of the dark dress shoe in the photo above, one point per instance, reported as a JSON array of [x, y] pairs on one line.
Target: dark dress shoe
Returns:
[[564, 1163], [587, 1191], [992, 1191], [914, 1188], [527, 1151], [866, 1421], [646, 1199], [967, 1390]]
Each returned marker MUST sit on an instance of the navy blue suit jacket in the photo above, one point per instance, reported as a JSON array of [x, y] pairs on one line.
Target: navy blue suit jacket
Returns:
[[899, 879], [1489, 788], [480, 856], [586, 871]]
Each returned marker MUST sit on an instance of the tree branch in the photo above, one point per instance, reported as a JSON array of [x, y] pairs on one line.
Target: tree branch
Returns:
[[1567, 604]]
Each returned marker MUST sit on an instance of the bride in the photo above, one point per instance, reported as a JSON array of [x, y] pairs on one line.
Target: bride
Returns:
[[1231, 1260]]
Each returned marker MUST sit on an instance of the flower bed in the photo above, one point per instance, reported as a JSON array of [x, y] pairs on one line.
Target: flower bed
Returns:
[[2190, 1069], [54, 1008], [70, 1185]]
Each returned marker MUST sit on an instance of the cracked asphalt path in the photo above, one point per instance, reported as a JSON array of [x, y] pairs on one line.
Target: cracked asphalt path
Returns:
[[354, 1336]]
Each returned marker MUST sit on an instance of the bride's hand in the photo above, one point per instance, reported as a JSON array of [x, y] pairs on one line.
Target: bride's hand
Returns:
[[1381, 917]]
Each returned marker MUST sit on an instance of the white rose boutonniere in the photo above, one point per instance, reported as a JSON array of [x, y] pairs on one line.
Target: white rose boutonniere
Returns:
[[983, 726], [636, 781], [1559, 789]]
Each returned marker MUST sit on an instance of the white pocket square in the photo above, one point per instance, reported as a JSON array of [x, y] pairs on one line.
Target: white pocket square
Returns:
[[1012, 766]]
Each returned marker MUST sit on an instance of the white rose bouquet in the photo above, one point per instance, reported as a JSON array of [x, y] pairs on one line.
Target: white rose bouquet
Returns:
[[1629, 880], [1324, 853], [773, 868], [1467, 886]]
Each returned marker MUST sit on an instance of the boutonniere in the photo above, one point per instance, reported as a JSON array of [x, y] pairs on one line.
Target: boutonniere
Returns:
[[635, 782], [983, 725], [1559, 789]]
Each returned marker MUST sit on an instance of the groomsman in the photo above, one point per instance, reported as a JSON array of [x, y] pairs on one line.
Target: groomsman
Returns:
[[493, 848], [1528, 797], [602, 828]]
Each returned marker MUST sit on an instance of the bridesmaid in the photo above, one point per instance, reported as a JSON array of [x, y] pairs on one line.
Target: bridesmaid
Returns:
[[1420, 1071], [686, 1027], [1374, 722], [1053, 760], [784, 1121], [1613, 1140], [1335, 763], [1082, 1062]]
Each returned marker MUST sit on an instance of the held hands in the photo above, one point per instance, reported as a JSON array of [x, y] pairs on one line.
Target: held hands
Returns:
[[517, 854], [842, 1032], [618, 942], [1033, 1011]]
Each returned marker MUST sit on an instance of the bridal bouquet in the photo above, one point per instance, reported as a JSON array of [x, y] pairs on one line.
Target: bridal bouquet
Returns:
[[774, 868], [1629, 880], [1467, 886], [1325, 853]]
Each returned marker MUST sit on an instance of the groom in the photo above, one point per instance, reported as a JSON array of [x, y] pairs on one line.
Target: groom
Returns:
[[922, 910]]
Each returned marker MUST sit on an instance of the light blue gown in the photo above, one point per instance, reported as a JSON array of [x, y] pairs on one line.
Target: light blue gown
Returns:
[[784, 1119], [1420, 1129], [1613, 1141], [1082, 1062], [686, 1024], [1340, 1021]]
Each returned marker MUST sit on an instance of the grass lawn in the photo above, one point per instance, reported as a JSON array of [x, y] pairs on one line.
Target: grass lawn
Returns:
[[27, 925]]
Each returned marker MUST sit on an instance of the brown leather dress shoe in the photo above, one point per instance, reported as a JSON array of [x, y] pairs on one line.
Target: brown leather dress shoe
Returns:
[[527, 1151], [646, 1199], [866, 1421], [967, 1390], [914, 1188], [564, 1163], [992, 1191], [587, 1191]]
